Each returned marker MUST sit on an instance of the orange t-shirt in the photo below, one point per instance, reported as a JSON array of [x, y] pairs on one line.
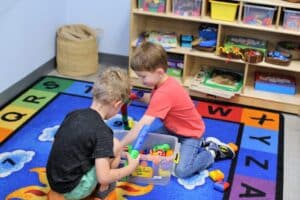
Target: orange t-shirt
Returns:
[[172, 104]]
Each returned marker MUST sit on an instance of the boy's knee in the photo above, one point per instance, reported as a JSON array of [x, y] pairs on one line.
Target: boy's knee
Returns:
[[181, 172]]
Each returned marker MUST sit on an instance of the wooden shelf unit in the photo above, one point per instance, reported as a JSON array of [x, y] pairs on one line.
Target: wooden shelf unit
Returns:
[[142, 21]]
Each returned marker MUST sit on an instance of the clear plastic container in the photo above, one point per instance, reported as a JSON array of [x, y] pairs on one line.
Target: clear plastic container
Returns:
[[291, 19], [187, 7], [154, 169], [258, 15], [152, 5]]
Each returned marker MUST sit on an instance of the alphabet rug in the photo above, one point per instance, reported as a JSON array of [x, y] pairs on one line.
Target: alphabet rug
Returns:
[[29, 122]]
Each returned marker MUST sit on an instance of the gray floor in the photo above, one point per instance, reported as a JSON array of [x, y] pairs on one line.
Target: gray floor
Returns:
[[291, 149]]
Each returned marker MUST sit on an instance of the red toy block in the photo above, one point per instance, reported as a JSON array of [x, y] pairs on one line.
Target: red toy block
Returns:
[[221, 186]]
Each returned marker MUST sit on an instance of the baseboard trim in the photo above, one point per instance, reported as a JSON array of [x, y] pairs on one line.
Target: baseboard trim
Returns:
[[113, 60], [19, 86], [15, 89]]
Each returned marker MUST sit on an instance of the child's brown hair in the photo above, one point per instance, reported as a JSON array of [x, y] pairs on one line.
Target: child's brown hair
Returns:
[[112, 84], [148, 57]]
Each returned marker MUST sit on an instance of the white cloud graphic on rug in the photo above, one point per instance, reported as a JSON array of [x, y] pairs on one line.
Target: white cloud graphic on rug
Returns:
[[193, 181], [14, 161], [48, 133]]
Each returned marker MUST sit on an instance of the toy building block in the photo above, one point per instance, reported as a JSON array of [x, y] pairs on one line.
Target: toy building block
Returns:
[[130, 123], [124, 110], [221, 186], [139, 141], [216, 175], [233, 146]]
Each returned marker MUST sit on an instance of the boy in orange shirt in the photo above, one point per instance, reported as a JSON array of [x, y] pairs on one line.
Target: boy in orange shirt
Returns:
[[171, 103]]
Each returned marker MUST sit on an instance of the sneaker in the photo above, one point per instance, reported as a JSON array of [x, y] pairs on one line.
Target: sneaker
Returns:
[[205, 142], [222, 150], [104, 193]]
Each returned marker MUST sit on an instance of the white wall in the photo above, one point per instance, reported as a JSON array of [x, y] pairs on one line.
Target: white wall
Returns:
[[28, 31], [27, 36], [112, 17]]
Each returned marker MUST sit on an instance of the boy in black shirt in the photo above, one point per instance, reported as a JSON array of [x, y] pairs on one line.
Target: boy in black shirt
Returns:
[[84, 154]]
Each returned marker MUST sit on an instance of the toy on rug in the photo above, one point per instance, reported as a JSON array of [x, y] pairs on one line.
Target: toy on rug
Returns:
[[218, 177], [157, 155], [133, 96], [221, 186], [193, 181], [135, 151], [117, 123]]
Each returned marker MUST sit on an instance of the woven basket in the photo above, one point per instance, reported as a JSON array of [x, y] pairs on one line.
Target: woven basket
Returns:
[[77, 50], [277, 61], [252, 55]]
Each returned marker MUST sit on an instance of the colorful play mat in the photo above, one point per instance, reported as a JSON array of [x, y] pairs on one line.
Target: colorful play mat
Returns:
[[29, 122]]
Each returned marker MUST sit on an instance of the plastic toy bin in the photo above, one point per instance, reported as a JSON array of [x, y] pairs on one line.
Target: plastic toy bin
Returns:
[[223, 10], [258, 15], [152, 5], [291, 19], [154, 169], [187, 7], [275, 83]]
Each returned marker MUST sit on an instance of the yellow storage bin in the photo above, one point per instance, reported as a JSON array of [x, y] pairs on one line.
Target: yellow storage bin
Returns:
[[223, 11]]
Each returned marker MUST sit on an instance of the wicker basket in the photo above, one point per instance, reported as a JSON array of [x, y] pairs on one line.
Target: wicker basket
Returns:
[[253, 56], [277, 61], [289, 48], [77, 50]]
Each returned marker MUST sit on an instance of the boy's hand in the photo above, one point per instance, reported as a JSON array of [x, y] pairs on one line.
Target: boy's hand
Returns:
[[133, 162]]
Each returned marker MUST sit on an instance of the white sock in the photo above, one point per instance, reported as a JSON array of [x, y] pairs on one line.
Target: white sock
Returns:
[[213, 153]]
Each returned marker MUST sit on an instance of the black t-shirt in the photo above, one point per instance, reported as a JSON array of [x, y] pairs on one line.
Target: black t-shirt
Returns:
[[82, 137]]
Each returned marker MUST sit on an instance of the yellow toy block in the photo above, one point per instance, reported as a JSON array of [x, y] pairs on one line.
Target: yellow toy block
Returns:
[[216, 175], [130, 123]]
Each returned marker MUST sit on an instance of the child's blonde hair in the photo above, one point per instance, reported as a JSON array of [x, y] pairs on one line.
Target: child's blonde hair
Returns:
[[112, 84], [148, 57]]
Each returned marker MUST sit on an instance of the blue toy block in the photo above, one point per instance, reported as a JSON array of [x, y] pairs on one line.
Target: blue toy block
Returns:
[[221, 186]]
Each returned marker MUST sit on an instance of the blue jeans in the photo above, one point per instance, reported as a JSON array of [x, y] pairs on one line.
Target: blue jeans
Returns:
[[193, 158]]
